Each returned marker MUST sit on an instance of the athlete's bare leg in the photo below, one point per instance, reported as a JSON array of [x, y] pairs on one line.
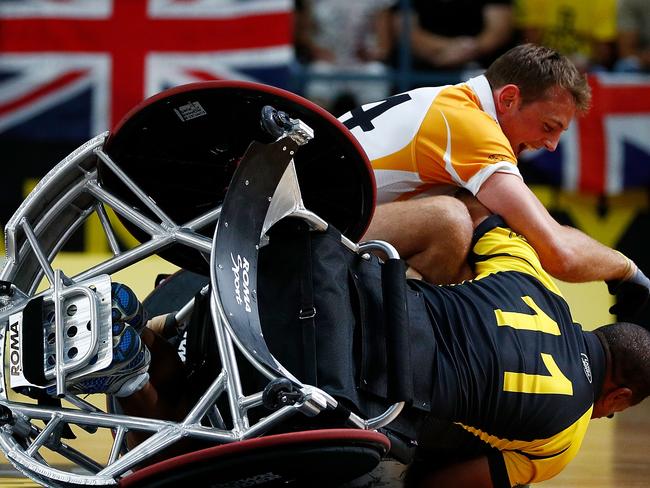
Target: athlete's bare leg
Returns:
[[432, 234], [165, 395]]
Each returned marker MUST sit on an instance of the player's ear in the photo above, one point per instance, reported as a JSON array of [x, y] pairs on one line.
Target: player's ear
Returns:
[[618, 399], [507, 98]]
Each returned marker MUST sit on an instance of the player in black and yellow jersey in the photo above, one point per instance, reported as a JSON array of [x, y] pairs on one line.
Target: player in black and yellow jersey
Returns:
[[516, 381]]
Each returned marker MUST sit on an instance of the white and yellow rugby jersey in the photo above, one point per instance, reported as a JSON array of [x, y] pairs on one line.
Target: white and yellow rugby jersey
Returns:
[[426, 138]]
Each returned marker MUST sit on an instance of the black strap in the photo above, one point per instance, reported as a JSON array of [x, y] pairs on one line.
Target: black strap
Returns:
[[200, 343], [307, 315], [365, 338], [400, 374]]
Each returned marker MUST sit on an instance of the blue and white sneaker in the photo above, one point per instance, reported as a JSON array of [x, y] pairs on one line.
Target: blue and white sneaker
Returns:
[[125, 307], [127, 373]]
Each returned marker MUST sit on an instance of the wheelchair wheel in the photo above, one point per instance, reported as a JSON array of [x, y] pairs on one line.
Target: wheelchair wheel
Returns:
[[321, 458]]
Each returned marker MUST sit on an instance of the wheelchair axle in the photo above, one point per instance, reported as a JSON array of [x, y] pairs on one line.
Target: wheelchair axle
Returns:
[[279, 393]]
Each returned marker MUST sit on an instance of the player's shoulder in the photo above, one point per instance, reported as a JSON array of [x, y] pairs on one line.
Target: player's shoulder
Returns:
[[497, 248], [466, 115], [462, 104]]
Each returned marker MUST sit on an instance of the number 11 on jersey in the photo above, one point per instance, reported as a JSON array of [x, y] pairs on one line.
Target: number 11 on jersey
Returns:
[[555, 383]]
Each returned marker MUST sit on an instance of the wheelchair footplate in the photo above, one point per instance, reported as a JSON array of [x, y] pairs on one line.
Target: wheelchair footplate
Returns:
[[61, 335]]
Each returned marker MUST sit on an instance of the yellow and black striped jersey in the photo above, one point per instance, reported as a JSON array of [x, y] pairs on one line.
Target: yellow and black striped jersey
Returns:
[[428, 138], [510, 364]]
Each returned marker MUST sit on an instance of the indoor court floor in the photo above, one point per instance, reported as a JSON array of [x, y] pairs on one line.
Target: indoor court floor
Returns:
[[615, 454]]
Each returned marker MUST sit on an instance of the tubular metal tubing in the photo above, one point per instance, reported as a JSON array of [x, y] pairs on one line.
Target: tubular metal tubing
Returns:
[[207, 400], [72, 228], [227, 356], [194, 240], [80, 200], [137, 191], [314, 220], [46, 184], [117, 444], [17, 456], [163, 438], [58, 335], [388, 248], [215, 418], [203, 220], [385, 418], [81, 404], [226, 350], [67, 200], [55, 420], [16, 255], [38, 252], [251, 401], [75, 456], [127, 258], [99, 419], [352, 246], [357, 421], [266, 423], [108, 230], [124, 210], [394, 410], [186, 311]]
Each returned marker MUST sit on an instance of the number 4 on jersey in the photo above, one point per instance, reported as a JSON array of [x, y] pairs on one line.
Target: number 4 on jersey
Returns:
[[364, 119]]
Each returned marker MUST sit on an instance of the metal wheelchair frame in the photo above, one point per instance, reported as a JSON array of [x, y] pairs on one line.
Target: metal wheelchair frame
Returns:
[[62, 201]]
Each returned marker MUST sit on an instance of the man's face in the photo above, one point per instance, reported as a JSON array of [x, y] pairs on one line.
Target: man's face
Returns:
[[539, 124]]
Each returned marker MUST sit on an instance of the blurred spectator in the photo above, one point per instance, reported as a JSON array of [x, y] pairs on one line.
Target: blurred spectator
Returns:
[[453, 34], [347, 37], [583, 30], [633, 36]]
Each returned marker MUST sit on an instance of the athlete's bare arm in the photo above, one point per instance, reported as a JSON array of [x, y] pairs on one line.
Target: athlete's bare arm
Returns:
[[565, 252]]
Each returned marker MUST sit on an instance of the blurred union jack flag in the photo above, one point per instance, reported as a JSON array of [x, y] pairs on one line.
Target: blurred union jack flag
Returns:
[[70, 69]]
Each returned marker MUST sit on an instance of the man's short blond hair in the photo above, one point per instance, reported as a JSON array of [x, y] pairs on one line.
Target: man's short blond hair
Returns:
[[536, 69]]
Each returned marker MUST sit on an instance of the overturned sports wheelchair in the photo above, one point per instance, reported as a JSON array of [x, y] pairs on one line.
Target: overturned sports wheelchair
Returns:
[[296, 338]]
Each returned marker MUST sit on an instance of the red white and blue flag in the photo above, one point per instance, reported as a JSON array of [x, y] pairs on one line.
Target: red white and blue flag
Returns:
[[70, 69], [608, 150]]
